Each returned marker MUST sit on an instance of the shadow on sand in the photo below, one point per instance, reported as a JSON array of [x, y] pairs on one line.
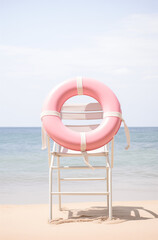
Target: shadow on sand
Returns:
[[100, 215]]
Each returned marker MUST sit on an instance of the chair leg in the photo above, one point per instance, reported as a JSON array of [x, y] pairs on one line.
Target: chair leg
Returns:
[[50, 188], [59, 186], [110, 193], [107, 186]]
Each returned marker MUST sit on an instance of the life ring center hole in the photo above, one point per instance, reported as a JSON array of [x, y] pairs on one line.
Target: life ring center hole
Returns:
[[82, 113]]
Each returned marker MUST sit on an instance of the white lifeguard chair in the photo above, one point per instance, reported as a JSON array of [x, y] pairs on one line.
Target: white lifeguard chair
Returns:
[[91, 111]]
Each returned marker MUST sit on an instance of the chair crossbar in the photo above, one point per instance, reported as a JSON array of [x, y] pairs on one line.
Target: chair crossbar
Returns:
[[78, 167], [77, 154], [80, 193], [82, 107], [81, 179], [82, 116]]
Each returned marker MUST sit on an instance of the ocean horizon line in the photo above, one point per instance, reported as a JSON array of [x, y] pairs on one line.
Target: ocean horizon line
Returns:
[[40, 127]]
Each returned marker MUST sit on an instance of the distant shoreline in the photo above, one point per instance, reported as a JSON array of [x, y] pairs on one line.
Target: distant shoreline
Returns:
[[40, 127]]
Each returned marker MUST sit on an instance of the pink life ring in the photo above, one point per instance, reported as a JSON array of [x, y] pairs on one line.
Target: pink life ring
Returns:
[[81, 141]]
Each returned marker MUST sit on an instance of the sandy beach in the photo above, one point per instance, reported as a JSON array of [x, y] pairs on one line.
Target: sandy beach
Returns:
[[131, 220]]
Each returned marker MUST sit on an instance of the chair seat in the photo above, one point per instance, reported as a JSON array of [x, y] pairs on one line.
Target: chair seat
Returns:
[[68, 152]]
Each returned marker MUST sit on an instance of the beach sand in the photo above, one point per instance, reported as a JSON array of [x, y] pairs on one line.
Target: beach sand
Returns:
[[131, 220]]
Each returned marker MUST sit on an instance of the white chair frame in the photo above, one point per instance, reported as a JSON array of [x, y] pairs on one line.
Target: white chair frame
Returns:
[[80, 112]]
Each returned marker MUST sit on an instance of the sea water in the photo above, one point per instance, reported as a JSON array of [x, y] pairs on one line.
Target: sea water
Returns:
[[24, 168]]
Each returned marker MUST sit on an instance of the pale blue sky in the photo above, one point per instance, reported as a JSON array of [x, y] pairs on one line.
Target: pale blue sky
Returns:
[[43, 43]]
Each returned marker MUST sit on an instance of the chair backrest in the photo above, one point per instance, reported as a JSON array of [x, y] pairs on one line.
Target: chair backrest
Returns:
[[90, 111]]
